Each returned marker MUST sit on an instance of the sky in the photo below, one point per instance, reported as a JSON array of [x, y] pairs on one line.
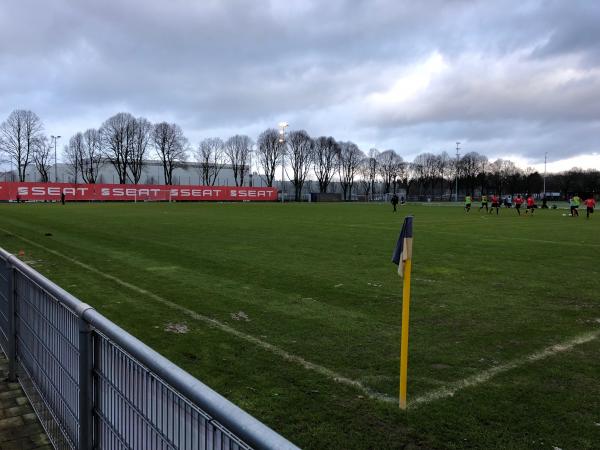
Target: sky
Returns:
[[509, 79]]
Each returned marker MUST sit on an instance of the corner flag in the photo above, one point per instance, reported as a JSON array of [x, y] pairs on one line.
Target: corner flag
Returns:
[[403, 257], [403, 251]]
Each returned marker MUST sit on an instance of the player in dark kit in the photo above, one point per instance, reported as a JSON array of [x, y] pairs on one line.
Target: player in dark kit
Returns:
[[394, 201], [530, 204], [518, 203], [495, 204], [590, 204]]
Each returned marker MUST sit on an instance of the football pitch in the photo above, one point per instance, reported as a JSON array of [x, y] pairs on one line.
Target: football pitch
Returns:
[[293, 312]]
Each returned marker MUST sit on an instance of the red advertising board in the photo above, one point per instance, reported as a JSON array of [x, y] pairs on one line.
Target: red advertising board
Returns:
[[132, 192]]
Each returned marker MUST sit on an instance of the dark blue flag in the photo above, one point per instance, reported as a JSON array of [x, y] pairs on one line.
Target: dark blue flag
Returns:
[[403, 249]]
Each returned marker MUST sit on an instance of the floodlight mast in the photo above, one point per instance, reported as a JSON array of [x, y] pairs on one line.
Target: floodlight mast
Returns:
[[545, 162], [282, 127], [55, 138], [457, 158]]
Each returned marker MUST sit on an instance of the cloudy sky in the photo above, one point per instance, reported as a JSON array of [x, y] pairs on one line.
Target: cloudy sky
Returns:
[[512, 79]]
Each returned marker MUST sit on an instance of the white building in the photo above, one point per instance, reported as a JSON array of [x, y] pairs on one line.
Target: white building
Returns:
[[152, 173]]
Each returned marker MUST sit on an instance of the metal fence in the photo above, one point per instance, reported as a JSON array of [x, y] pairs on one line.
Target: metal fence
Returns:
[[94, 386]]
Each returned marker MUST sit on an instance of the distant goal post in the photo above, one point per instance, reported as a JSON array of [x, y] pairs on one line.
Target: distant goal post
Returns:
[[154, 195]]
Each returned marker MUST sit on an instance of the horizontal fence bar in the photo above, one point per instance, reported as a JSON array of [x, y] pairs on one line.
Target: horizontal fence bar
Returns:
[[219, 419]]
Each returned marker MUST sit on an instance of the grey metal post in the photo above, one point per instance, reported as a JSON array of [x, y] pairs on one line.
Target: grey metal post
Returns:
[[457, 162], [12, 322], [545, 161], [86, 404]]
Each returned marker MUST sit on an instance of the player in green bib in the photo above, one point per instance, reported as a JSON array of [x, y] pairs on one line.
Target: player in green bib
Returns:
[[484, 203], [467, 203], [576, 202]]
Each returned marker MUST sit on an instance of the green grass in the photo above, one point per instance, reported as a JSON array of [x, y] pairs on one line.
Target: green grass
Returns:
[[316, 281]]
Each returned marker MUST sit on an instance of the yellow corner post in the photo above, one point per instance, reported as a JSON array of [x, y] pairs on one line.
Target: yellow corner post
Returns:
[[404, 339], [403, 258]]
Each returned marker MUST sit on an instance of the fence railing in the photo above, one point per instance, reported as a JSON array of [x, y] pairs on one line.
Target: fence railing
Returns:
[[95, 386]]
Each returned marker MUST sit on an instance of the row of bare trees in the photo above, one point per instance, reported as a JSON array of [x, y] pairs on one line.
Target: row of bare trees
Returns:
[[298, 154], [435, 175], [127, 142]]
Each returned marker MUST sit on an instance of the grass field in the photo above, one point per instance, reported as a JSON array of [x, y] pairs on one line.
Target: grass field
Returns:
[[492, 296]]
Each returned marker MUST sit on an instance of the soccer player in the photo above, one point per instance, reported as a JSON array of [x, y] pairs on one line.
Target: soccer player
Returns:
[[530, 204], [575, 205], [467, 203], [394, 201], [518, 203], [590, 204], [484, 203], [495, 204]]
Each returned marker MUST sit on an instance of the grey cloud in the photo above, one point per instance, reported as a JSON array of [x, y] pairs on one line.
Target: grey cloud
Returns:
[[575, 31], [224, 66]]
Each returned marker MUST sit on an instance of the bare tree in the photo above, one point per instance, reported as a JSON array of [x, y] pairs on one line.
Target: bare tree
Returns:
[[269, 152], [92, 156], [501, 172], [73, 155], [349, 160], [238, 149], [170, 145], [425, 170], [470, 168], [20, 134], [210, 157], [41, 158], [300, 155], [403, 173], [483, 171], [364, 179], [117, 137], [372, 164], [443, 163], [389, 166], [325, 158], [140, 130]]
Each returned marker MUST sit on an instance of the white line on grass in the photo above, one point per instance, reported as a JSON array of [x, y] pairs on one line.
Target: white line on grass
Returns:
[[486, 375], [334, 376]]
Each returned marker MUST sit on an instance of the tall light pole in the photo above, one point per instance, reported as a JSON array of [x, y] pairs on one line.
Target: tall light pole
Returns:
[[457, 158], [250, 165], [282, 127], [55, 138], [545, 161]]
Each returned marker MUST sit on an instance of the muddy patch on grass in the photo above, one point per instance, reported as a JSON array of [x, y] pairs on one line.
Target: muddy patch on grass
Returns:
[[241, 315], [440, 366], [177, 328], [33, 262], [162, 269]]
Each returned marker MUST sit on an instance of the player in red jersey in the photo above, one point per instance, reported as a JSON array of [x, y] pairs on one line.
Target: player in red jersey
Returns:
[[590, 204], [530, 204], [495, 204], [518, 203]]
